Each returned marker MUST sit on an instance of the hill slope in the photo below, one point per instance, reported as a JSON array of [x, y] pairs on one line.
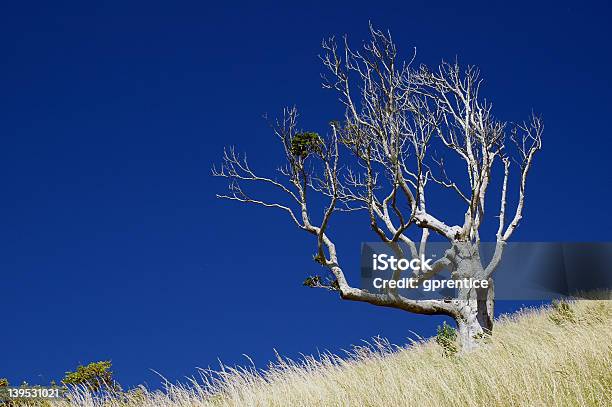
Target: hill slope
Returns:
[[558, 356]]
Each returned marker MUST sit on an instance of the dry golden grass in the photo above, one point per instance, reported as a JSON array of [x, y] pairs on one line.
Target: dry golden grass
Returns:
[[545, 357]]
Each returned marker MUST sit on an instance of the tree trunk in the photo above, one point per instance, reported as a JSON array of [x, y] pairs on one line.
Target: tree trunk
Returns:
[[486, 305], [469, 330], [475, 314]]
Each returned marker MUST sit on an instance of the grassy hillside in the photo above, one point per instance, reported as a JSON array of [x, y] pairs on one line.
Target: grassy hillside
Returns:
[[558, 356]]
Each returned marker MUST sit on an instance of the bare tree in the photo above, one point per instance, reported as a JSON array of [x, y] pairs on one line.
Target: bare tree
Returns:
[[395, 114]]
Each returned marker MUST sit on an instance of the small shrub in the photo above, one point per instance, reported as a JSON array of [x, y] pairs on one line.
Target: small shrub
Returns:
[[447, 339], [95, 376]]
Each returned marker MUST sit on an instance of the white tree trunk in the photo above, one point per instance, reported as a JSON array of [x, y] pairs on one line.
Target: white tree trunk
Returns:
[[475, 306], [468, 328], [474, 320]]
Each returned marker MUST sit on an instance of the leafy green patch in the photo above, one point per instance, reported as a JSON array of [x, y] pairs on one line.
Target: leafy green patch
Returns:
[[447, 339], [306, 143], [95, 376]]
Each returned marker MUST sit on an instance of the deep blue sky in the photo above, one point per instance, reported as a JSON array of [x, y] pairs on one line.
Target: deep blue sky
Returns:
[[112, 245]]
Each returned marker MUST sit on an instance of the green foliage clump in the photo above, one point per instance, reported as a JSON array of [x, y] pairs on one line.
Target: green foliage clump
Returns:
[[447, 339], [95, 376], [313, 281], [318, 282], [20, 401], [306, 143], [562, 313], [5, 383]]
